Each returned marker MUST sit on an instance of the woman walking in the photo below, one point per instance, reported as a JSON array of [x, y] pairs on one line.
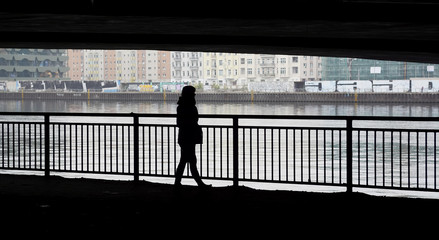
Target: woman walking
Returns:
[[189, 134]]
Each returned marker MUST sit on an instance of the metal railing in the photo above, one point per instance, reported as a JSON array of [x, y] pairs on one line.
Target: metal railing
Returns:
[[372, 152]]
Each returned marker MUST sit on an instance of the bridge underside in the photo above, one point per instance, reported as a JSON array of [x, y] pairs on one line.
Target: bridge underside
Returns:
[[383, 29]]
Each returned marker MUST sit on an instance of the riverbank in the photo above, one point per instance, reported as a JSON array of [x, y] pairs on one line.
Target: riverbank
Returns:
[[61, 207], [230, 97]]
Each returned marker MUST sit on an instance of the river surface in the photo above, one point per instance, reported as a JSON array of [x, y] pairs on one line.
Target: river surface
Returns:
[[332, 109], [327, 109]]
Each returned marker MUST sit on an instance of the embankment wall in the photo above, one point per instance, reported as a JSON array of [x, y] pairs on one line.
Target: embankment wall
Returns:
[[231, 97]]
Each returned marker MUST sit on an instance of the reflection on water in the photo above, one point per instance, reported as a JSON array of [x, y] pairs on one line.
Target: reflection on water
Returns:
[[293, 108]]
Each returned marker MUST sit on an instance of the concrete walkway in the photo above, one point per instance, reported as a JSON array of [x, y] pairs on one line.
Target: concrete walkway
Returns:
[[64, 207]]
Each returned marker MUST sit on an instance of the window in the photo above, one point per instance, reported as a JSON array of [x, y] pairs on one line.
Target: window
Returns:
[[295, 70]]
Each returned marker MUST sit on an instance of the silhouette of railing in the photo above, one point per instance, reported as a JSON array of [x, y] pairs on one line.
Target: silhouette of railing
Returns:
[[372, 152]]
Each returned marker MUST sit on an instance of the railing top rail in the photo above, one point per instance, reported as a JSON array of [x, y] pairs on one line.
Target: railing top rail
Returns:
[[239, 116]]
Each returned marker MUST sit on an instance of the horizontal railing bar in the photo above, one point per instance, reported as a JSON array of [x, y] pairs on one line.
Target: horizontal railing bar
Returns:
[[68, 114], [92, 124], [162, 115], [15, 122], [323, 117], [395, 130], [157, 125], [216, 126], [292, 128], [230, 126]]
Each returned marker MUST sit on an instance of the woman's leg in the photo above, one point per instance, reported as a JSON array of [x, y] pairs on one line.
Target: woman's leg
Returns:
[[193, 166], [181, 165], [188, 156], [179, 172]]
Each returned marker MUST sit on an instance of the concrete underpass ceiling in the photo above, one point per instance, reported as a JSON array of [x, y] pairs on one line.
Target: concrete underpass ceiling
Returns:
[[404, 30]]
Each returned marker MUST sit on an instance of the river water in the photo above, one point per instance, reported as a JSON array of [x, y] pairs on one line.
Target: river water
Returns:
[[332, 109], [327, 109]]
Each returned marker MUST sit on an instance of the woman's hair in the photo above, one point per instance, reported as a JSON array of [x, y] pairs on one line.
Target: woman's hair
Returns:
[[188, 91], [187, 96]]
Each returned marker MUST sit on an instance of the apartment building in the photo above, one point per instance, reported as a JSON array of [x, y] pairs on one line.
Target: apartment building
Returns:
[[234, 70], [247, 69], [146, 65], [163, 66], [221, 69], [310, 68], [110, 65], [76, 64], [186, 66], [224, 70], [287, 68], [126, 69], [93, 65]]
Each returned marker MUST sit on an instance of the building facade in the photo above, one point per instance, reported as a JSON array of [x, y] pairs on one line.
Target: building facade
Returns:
[[32, 68], [366, 69], [247, 69], [76, 64], [121, 65], [33, 64], [163, 66], [187, 67], [93, 65], [110, 65], [310, 68], [233, 70], [221, 69], [153, 66], [207, 69], [146, 69]]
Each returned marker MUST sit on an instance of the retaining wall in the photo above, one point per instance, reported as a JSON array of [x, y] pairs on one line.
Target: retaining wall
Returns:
[[231, 97]]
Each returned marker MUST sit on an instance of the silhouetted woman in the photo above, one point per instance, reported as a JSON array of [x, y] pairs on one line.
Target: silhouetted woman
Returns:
[[189, 135]]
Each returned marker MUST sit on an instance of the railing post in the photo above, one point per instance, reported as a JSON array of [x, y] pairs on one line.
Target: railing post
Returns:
[[46, 145], [235, 152], [349, 155], [136, 146]]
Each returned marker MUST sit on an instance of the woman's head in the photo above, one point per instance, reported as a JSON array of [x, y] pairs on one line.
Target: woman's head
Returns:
[[188, 91]]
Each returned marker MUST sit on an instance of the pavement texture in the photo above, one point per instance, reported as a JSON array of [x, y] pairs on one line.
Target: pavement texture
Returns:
[[57, 207]]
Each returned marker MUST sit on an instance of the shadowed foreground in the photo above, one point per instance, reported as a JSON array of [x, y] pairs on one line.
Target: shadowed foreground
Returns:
[[56, 207]]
